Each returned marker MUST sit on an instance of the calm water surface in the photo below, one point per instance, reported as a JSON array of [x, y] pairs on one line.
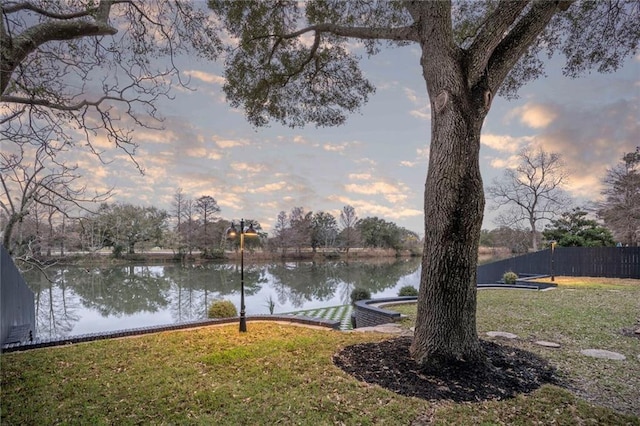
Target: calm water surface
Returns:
[[75, 300]]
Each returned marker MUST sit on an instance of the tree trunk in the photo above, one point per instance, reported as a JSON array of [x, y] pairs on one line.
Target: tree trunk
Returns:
[[454, 207]]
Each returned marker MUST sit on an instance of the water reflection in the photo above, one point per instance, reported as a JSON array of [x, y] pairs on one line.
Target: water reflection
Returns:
[[77, 300]]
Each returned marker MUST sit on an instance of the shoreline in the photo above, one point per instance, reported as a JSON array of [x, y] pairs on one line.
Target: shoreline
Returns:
[[106, 258]]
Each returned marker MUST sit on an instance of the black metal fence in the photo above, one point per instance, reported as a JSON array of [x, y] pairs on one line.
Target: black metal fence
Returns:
[[610, 262]]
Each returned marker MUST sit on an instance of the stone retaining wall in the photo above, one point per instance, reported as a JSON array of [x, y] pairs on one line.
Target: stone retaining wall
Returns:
[[369, 313]]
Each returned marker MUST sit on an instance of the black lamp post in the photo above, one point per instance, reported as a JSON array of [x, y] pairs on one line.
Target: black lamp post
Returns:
[[553, 249], [231, 234]]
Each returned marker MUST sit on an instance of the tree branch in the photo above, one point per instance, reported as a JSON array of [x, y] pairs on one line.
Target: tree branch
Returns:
[[407, 33], [32, 38], [60, 107], [491, 34], [516, 43]]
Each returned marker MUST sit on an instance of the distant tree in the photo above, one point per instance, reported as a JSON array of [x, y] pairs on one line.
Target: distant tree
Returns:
[[300, 223], [177, 206], [122, 226], [295, 63], [515, 239], [409, 239], [486, 239], [208, 208], [574, 229], [621, 208], [324, 230], [281, 229], [376, 232], [189, 225], [532, 191], [349, 236]]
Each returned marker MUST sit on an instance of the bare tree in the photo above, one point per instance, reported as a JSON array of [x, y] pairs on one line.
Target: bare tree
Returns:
[[300, 228], [207, 206], [349, 234], [178, 206], [43, 182], [621, 208], [298, 67], [281, 229], [532, 192], [87, 66], [188, 226]]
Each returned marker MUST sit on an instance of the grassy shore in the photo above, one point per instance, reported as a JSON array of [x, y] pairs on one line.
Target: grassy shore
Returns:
[[277, 373]]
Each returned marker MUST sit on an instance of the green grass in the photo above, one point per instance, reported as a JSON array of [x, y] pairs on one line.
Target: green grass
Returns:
[[280, 373], [579, 314]]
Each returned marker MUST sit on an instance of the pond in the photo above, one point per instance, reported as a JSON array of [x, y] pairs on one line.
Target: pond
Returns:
[[77, 300]]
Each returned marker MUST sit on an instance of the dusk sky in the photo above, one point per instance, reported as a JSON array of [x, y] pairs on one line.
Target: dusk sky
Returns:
[[377, 161]]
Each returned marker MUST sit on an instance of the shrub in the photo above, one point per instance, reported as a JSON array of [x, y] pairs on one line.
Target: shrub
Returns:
[[222, 309], [359, 293], [408, 290], [509, 277]]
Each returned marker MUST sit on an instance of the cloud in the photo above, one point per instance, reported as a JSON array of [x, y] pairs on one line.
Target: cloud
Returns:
[[590, 139], [366, 208], [202, 152], [230, 143], [422, 157], [505, 143], [394, 193], [269, 188], [423, 110], [510, 162], [360, 176], [535, 115], [339, 147], [298, 139], [206, 77], [250, 168]]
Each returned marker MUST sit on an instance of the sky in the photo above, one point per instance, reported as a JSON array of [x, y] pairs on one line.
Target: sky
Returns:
[[377, 161]]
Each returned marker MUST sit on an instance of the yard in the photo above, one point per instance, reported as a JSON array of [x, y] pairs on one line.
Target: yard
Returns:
[[280, 373]]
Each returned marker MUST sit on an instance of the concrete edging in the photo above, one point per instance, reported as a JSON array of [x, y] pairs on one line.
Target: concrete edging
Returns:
[[46, 343]]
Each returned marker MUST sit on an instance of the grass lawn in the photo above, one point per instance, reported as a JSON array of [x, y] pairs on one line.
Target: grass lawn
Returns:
[[280, 373]]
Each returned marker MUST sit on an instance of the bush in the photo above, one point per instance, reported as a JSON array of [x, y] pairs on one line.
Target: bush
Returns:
[[408, 290], [509, 277], [360, 294], [222, 309]]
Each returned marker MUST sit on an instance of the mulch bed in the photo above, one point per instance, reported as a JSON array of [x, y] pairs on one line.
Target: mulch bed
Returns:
[[389, 365]]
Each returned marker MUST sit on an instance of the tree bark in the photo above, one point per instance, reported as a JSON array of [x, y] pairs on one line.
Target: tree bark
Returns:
[[454, 207]]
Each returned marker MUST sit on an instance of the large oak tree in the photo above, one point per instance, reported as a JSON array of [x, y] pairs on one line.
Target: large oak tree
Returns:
[[291, 62]]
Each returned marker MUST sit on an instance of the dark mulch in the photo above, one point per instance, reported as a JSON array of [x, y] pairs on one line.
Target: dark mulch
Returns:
[[389, 365]]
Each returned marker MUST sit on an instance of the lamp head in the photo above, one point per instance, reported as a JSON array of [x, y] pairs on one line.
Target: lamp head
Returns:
[[250, 232], [232, 232]]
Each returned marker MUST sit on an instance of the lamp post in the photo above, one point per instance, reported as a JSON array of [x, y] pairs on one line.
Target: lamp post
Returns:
[[553, 249], [232, 232]]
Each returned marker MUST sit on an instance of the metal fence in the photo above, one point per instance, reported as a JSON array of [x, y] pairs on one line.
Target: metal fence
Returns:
[[16, 300], [610, 262]]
